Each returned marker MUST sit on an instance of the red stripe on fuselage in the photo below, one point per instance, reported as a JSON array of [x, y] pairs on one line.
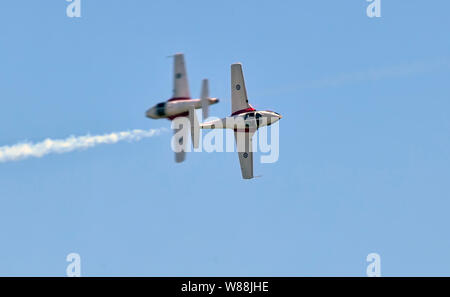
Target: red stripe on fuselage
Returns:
[[178, 99], [243, 111]]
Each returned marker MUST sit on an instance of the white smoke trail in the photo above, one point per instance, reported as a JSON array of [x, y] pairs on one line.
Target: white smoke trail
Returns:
[[26, 150]]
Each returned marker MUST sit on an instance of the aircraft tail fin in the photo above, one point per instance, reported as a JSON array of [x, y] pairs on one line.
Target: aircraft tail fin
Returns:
[[205, 98], [195, 127]]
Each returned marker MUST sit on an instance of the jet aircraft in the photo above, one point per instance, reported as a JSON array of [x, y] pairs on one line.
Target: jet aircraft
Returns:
[[181, 101], [244, 120]]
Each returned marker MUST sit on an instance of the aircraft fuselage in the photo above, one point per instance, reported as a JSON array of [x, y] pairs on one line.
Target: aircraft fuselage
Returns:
[[244, 121], [176, 107]]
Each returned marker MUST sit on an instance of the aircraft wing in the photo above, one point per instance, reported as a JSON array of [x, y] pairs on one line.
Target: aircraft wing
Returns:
[[180, 84], [245, 151], [182, 141], [239, 100]]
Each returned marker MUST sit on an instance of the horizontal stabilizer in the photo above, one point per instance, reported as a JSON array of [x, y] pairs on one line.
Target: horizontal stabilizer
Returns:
[[195, 127], [204, 98]]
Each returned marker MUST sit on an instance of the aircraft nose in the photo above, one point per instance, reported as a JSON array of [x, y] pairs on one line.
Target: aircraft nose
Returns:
[[214, 100], [277, 115], [150, 113]]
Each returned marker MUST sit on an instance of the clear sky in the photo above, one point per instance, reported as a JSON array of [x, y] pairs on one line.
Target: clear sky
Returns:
[[364, 141]]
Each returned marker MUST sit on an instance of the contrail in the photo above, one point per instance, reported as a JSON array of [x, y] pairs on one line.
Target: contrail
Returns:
[[373, 74], [26, 150]]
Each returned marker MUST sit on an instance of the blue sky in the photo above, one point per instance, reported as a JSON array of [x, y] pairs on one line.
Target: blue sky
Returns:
[[364, 140]]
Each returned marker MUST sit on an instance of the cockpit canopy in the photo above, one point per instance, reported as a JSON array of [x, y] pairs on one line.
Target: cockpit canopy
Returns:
[[252, 115]]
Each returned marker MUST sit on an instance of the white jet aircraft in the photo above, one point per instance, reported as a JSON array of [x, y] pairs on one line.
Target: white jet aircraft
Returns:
[[179, 104], [244, 120]]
